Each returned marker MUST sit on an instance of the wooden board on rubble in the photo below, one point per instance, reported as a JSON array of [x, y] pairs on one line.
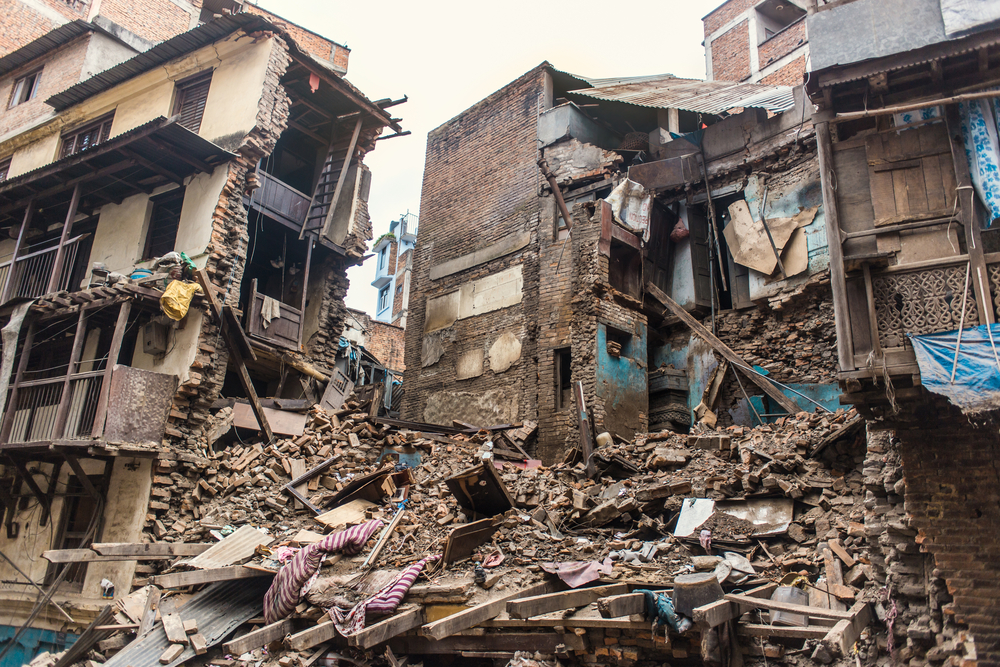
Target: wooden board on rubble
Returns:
[[483, 612], [259, 637], [161, 549], [543, 604], [348, 513], [195, 577], [404, 619], [282, 422], [543, 642]]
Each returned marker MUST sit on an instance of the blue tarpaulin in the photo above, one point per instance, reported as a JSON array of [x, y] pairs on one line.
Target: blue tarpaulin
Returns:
[[977, 376]]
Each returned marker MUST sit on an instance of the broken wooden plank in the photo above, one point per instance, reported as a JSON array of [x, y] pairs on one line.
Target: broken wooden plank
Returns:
[[88, 556], [149, 612], [543, 604], [476, 615], [172, 653], [813, 612], [723, 349], [313, 636], [199, 643], [179, 579], [349, 513], [834, 578], [846, 632], [88, 639], [758, 630], [388, 628], [716, 613], [841, 553], [173, 626], [543, 642], [152, 549], [622, 605], [259, 637]]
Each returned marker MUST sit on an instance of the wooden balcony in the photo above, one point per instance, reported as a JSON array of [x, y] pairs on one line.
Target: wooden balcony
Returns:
[[30, 275], [280, 201]]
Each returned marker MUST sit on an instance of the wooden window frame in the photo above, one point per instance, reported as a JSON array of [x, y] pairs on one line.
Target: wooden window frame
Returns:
[[185, 86], [158, 201], [71, 139], [4, 168], [558, 355], [102, 482], [17, 93]]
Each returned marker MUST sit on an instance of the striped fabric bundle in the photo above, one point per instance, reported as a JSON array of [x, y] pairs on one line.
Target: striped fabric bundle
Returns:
[[286, 589], [384, 602]]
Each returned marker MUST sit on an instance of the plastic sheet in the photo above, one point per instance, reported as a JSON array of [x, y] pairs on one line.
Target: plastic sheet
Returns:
[[977, 375], [177, 297]]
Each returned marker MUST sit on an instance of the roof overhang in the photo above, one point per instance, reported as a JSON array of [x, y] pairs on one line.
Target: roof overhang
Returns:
[[138, 161]]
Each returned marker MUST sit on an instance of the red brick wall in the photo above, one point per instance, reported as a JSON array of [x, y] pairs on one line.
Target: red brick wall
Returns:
[[319, 46], [953, 498], [480, 185], [731, 54], [782, 44], [400, 284], [385, 341], [61, 70], [726, 13], [155, 21], [791, 74], [20, 24]]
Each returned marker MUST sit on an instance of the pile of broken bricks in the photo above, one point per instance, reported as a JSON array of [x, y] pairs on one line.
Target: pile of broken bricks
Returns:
[[503, 523]]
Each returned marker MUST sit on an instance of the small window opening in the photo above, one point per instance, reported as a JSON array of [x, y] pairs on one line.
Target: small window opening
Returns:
[[87, 136], [192, 94], [164, 222], [4, 169], [564, 378], [25, 88], [383, 298], [619, 343], [80, 509]]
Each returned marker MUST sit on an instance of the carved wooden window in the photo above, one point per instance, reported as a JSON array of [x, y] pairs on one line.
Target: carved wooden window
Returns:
[[192, 94], [911, 173], [87, 136]]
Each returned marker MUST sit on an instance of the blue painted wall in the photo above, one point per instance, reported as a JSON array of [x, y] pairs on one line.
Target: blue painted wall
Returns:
[[622, 382], [31, 642], [696, 357]]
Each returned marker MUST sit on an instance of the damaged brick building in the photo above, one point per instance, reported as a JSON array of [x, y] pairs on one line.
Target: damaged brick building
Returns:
[[224, 149]]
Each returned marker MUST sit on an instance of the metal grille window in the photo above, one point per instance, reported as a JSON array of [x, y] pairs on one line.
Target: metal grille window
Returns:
[[87, 136], [191, 97], [163, 224], [25, 88]]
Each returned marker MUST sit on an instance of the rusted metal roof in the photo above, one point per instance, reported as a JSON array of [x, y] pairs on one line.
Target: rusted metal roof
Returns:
[[666, 91], [219, 609], [232, 549], [44, 45]]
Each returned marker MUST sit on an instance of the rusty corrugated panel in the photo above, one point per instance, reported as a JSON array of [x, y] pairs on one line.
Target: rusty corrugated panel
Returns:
[[232, 549], [219, 609], [668, 92]]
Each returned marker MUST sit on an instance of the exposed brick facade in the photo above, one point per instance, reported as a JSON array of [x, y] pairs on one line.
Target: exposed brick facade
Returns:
[[725, 13], [20, 24], [782, 44], [731, 54], [319, 46], [61, 70], [382, 339], [480, 186], [404, 267], [156, 22], [791, 74]]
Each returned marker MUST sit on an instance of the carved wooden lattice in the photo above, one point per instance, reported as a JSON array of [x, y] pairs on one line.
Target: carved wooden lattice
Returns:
[[920, 303], [994, 271]]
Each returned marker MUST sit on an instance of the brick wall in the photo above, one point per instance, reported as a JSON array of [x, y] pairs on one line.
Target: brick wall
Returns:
[[480, 186], [782, 44], [155, 21], [319, 46], [726, 13], [791, 74], [382, 339], [731, 54], [61, 70], [20, 24], [403, 264], [952, 492]]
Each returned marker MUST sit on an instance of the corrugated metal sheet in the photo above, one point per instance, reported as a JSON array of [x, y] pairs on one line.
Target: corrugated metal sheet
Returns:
[[175, 47], [219, 609], [231, 549], [668, 92], [44, 45]]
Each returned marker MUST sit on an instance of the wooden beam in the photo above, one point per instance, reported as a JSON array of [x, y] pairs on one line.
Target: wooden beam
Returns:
[[756, 630], [348, 158], [18, 246], [556, 192], [152, 166], [56, 189], [181, 155], [149, 612], [11, 406], [723, 349], [234, 353], [195, 577], [622, 605], [543, 604], [388, 628], [88, 556], [543, 642], [888, 111], [718, 612], [259, 637], [464, 620], [747, 602], [116, 345], [57, 263], [305, 130], [846, 632], [152, 549], [313, 636], [586, 437]]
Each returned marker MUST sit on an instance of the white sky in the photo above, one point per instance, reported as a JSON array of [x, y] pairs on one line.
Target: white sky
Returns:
[[447, 55]]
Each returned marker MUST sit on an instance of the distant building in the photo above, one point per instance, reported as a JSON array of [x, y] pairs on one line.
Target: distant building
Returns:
[[394, 261], [761, 41]]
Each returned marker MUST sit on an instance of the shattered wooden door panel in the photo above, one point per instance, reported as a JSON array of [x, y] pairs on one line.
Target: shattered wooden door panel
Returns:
[[911, 174], [701, 268]]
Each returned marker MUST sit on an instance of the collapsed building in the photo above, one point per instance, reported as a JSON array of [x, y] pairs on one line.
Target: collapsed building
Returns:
[[622, 439]]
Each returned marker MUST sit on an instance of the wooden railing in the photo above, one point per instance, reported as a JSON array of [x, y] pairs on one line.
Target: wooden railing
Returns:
[[54, 408], [280, 200], [31, 273]]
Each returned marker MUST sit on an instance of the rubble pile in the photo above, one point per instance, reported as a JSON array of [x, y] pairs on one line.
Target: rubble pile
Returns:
[[504, 521]]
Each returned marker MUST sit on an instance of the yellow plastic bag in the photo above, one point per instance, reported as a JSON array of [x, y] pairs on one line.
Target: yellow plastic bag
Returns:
[[177, 297]]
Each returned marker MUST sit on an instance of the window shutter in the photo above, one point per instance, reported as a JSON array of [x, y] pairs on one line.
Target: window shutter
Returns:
[[192, 100]]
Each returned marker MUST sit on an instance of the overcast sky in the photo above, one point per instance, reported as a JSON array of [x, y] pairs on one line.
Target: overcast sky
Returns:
[[446, 56]]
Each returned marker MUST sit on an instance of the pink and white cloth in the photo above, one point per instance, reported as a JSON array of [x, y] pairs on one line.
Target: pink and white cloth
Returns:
[[286, 589], [384, 602]]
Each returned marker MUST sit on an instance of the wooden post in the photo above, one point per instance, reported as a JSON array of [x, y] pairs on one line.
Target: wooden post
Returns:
[[235, 355], [57, 265], [74, 359], [116, 346], [8, 288], [556, 192], [305, 287], [966, 213], [348, 158], [838, 281], [22, 364], [586, 437]]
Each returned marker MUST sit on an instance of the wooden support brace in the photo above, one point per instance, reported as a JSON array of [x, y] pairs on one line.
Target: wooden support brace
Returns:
[[259, 637], [543, 604], [476, 615], [388, 628]]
